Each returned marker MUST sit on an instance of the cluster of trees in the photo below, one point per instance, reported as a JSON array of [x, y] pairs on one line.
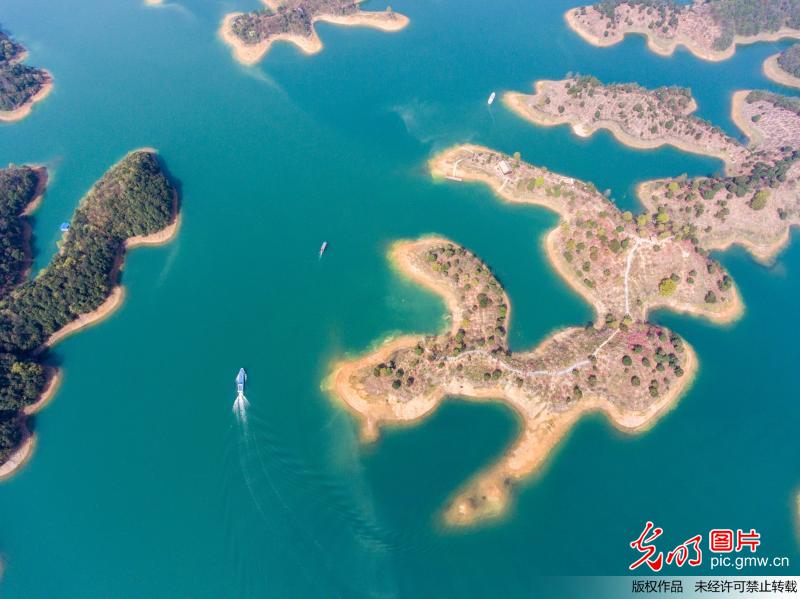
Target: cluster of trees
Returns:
[[18, 82], [745, 17], [295, 16], [789, 60], [664, 8], [762, 176], [17, 189], [133, 198], [9, 49]]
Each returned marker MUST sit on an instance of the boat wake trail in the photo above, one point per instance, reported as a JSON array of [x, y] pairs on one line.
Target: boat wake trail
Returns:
[[240, 406]]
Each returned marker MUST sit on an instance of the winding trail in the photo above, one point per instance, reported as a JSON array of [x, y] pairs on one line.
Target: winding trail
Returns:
[[521, 372], [629, 263]]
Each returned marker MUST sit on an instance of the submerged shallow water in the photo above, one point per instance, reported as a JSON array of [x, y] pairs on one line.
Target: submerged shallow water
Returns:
[[145, 484]]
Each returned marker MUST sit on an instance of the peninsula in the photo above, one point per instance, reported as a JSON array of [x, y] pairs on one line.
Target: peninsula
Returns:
[[132, 204], [21, 86], [252, 34], [709, 29], [623, 366], [784, 67], [753, 205]]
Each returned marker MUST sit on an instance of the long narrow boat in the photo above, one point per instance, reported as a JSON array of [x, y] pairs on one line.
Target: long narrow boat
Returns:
[[323, 248], [490, 101], [241, 379]]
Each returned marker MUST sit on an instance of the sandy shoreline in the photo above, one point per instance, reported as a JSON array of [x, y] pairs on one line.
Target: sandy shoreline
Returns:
[[772, 70], [20, 456], [43, 178], [250, 54], [737, 101], [437, 166], [372, 416], [764, 255], [10, 116], [339, 381], [533, 449], [733, 310], [25, 450], [667, 47]]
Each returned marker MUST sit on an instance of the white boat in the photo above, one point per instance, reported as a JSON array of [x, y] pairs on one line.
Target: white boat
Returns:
[[323, 248], [491, 99], [241, 379]]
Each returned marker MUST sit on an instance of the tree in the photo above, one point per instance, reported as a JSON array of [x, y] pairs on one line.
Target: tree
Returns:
[[759, 199], [667, 287]]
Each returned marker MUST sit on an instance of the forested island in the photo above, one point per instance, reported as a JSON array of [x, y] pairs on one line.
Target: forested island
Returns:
[[132, 204], [637, 116], [784, 67], [753, 204], [252, 34], [710, 29], [20, 85], [624, 264]]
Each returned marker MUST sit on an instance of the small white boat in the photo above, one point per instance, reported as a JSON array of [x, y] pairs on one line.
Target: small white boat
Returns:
[[241, 379], [491, 99], [323, 248]]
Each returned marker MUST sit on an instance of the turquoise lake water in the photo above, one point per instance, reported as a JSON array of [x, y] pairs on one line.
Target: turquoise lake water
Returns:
[[143, 484]]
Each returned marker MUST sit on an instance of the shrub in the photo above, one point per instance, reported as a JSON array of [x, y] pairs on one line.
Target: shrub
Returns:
[[667, 287], [759, 199]]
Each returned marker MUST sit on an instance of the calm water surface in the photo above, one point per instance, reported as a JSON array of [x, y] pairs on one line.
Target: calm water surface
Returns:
[[143, 485]]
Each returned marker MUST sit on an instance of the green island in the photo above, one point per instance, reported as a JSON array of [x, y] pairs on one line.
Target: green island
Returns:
[[784, 67], [624, 366], [709, 29], [252, 34], [754, 204], [21, 86], [132, 204]]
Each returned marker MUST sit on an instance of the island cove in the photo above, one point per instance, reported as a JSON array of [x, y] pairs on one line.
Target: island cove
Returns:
[[709, 29], [133, 204], [624, 366], [252, 34], [21, 86], [754, 204]]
